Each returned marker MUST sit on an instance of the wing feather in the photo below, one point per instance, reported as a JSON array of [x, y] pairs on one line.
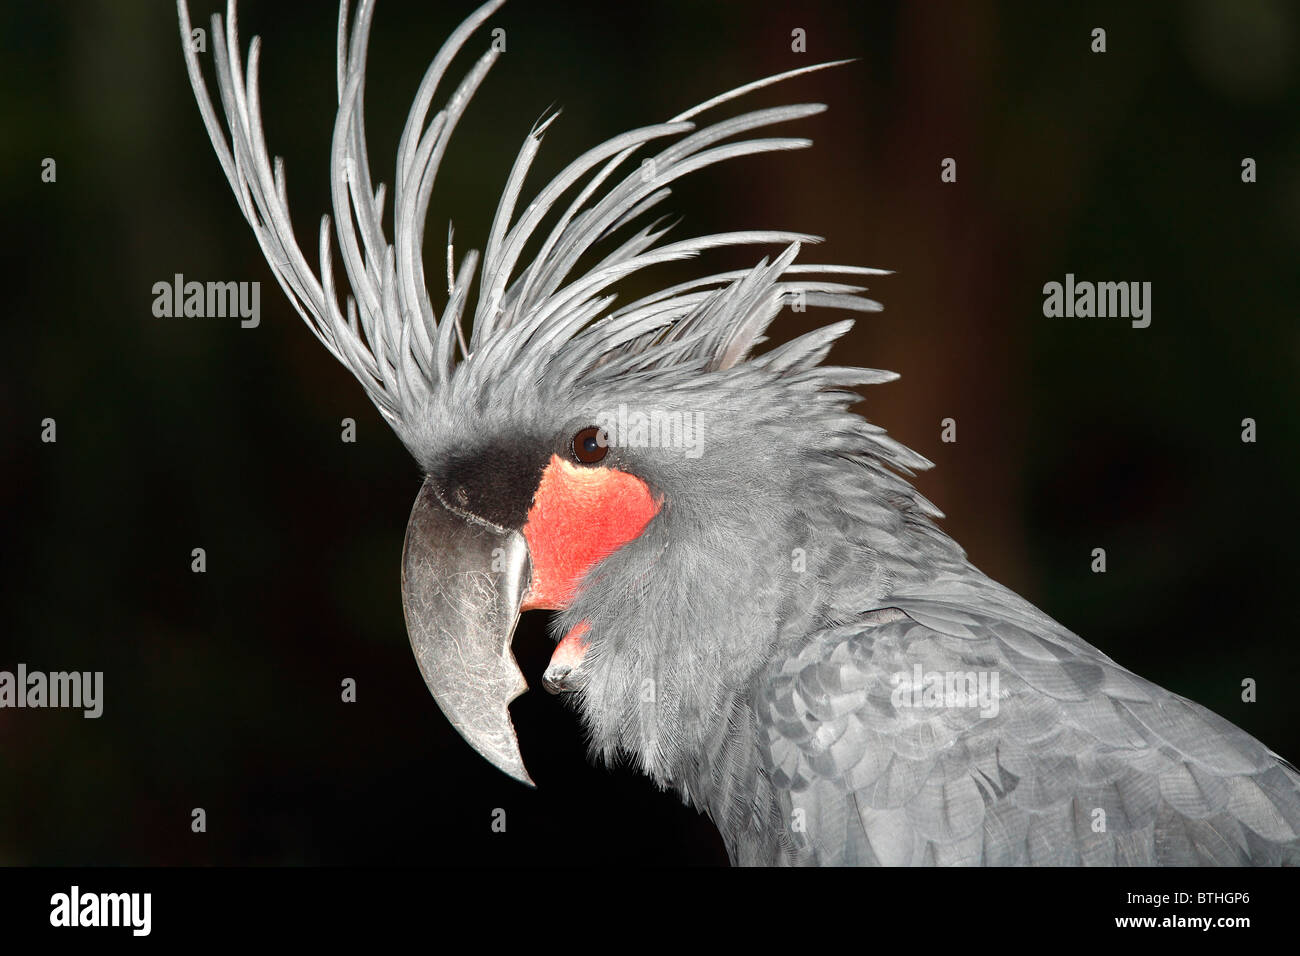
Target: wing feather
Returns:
[[1080, 763]]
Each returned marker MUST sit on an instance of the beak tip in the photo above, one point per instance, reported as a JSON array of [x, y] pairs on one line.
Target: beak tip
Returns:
[[526, 780], [512, 765]]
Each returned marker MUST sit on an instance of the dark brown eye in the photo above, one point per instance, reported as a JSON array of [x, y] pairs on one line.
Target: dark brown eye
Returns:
[[590, 445]]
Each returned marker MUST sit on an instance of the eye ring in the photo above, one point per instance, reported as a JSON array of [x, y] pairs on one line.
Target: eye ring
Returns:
[[590, 445]]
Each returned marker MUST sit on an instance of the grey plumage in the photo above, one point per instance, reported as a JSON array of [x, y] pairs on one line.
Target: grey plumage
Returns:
[[748, 647], [1085, 763]]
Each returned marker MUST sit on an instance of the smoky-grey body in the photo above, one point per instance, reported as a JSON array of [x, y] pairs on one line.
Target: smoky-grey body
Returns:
[[754, 645], [828, 586], [1084, 762]]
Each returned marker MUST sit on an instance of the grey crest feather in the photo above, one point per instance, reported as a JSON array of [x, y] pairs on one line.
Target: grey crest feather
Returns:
[[530, 318]]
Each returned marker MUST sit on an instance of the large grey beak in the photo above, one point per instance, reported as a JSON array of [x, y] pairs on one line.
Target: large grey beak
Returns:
[[462, 584]]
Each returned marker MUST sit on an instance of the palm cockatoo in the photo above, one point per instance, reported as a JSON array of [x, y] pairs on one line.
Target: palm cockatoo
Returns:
[[753, 602]]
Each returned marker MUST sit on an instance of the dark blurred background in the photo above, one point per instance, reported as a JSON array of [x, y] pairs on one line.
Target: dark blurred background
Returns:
[[223, 688]]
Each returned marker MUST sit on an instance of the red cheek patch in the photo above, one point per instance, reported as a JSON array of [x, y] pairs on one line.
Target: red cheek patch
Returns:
[[579, 517]]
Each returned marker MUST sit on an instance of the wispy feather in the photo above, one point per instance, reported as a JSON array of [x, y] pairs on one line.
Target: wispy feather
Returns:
[[531, 315]]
